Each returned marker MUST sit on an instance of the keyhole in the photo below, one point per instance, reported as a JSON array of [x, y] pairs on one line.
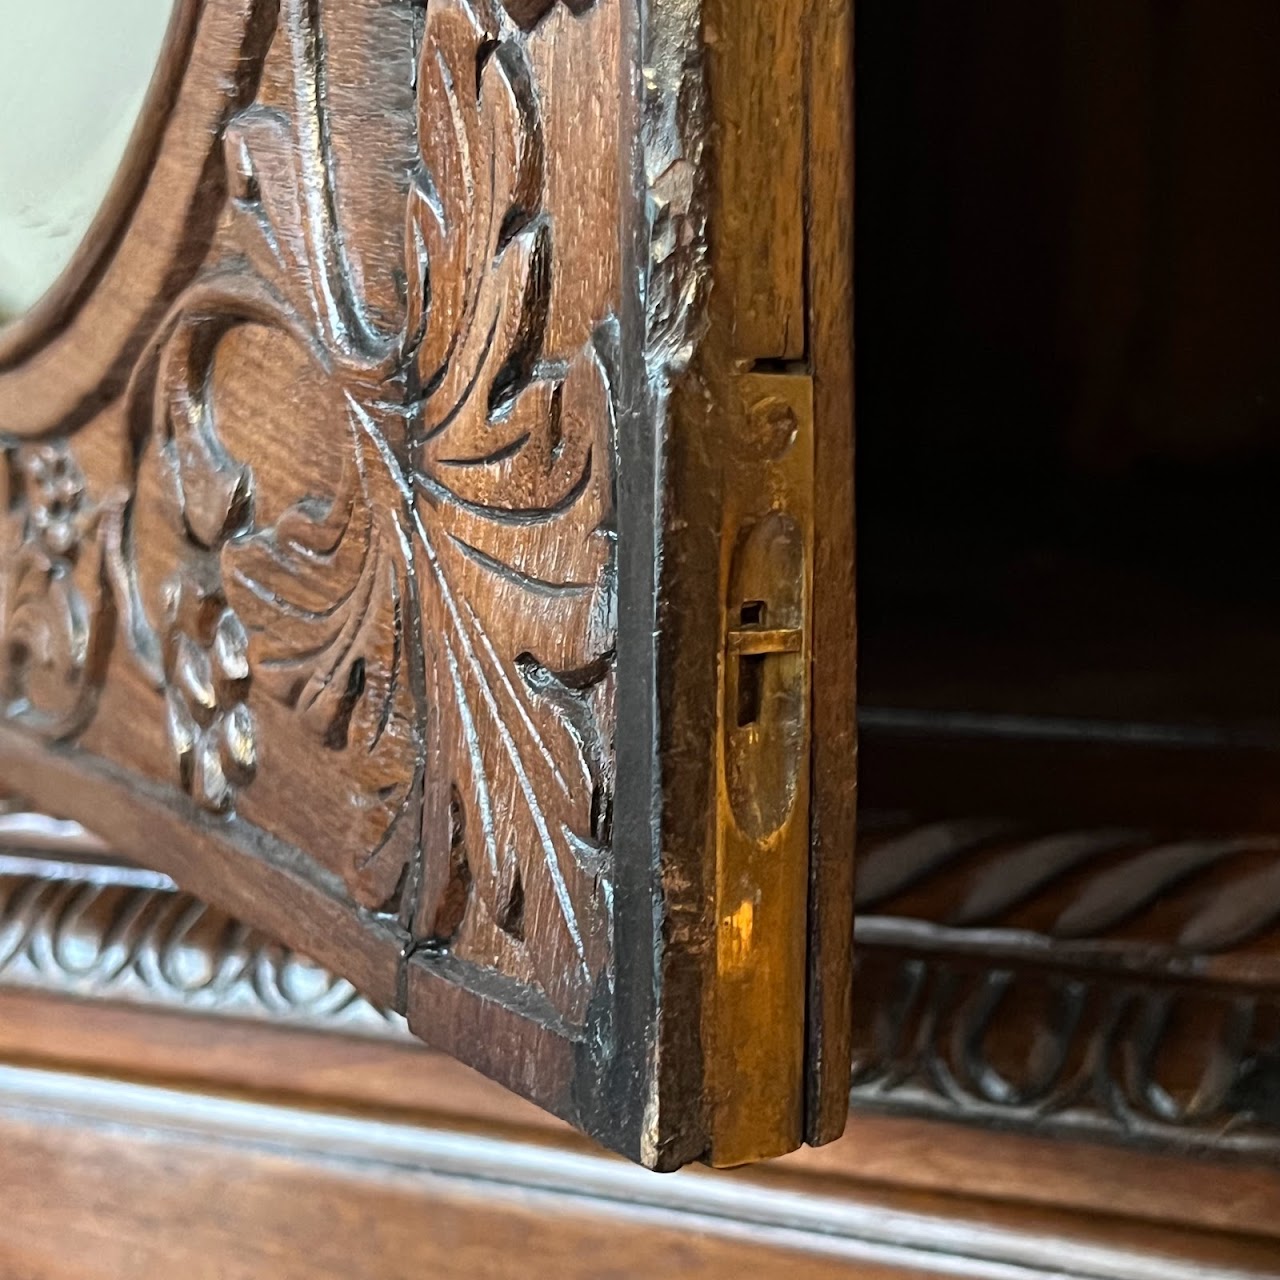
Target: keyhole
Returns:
[[751, 669]]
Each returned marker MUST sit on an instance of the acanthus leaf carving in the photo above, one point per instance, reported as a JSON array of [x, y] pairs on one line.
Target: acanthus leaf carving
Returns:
[[442, 618], [439, 620], [513, 503], [325, 593]]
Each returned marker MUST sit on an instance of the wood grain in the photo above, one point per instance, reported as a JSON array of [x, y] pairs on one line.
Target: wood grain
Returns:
[[120, 1179], [757, 64], [316, 543], [342, 1073], [1095, 983]]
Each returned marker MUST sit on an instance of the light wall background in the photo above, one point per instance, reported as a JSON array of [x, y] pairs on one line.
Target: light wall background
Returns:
[[73, 77]]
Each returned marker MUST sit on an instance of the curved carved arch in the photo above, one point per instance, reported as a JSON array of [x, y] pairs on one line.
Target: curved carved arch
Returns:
[[66, 359]]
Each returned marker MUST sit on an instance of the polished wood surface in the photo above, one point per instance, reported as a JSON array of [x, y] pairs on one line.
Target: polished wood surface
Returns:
[[508, 699]]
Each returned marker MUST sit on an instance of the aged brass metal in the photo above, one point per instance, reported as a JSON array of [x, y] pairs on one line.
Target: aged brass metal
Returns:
[[756, 1028]]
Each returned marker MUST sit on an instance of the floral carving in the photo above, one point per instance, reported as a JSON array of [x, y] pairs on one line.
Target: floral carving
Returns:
[[442, 617], [55, 613], [56, 505]]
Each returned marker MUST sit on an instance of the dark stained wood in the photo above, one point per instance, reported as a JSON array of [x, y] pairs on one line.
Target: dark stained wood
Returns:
[[830, 295], [1089, 980], [1068, 293], [345, 573], [1068, 300]]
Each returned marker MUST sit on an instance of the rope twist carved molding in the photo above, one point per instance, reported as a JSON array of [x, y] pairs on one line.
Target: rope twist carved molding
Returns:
[[1092, 982], [1091, 888], [437, 619]]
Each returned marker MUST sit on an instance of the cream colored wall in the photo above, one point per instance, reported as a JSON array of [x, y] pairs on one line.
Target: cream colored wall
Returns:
[[73, 75]]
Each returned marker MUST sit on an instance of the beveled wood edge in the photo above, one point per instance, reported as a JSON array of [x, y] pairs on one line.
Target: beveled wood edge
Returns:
[[42, 322], [875, 1231], [46, 383], [708, 419], [834, 770]]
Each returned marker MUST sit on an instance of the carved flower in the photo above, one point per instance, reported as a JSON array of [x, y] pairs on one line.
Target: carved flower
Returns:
[[56, 620], [207, 683], [55, 495]]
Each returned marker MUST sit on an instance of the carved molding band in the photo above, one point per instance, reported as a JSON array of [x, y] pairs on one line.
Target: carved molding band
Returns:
[[1102, 896], [121, 934], [1056, 1051], [75, 922], [1094, 982], [1048, 1041]]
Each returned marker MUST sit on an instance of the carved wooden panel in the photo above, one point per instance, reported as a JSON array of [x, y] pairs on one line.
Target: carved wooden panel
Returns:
[[362, 506]]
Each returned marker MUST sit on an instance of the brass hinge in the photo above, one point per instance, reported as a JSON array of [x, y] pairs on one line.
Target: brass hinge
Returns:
[[756, 1058]]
